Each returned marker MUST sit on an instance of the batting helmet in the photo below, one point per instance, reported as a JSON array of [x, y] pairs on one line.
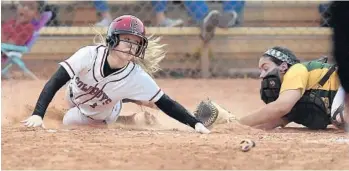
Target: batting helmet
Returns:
[[127, 24]]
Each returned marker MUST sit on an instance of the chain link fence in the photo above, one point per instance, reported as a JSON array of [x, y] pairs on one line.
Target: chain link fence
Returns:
[[302, 26]]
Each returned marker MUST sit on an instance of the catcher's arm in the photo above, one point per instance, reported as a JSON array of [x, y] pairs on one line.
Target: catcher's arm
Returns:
[[211, 113], [274, 110], [273, 124]]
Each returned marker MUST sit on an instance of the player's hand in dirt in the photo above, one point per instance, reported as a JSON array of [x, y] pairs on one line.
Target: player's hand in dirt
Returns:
[[200, 128], [34, 121]]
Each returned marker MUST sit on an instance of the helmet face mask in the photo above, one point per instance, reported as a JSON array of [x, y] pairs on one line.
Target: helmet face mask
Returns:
[[130, 47], [127, 25]]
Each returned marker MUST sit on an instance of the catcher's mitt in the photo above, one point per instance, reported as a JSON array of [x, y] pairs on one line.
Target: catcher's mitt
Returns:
[[210, 113]]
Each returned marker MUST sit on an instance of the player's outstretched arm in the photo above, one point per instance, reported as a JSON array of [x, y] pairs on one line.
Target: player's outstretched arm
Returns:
[[178, 112], [141, 103], [58, 80]]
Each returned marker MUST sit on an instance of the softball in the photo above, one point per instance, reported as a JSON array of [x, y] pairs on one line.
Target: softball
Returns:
[[247, 145]]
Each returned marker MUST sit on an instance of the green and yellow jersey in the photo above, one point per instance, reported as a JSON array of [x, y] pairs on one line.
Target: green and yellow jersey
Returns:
[[306, 76]]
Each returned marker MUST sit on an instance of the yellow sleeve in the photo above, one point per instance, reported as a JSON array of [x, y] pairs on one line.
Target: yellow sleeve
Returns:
[[295, 78]]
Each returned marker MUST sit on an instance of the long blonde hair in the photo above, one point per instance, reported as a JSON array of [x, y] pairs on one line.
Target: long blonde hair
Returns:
[[153, 54]]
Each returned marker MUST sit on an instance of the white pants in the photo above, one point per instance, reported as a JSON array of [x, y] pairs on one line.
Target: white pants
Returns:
[[338, 102], [75, 117]]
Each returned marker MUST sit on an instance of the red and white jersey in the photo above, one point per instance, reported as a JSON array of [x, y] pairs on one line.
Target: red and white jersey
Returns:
[[94, 93]]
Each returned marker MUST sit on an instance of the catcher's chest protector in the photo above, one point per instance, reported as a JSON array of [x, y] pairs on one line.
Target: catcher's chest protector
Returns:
[[309, 111]]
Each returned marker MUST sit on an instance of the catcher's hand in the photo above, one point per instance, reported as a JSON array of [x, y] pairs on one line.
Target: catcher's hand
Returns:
[[209, 113]]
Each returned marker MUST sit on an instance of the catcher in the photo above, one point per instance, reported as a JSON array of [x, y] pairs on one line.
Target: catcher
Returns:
[[306, 93]]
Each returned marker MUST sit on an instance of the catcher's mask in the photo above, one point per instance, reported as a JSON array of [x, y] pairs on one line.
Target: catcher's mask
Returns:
[[270, 86], [127, 24]]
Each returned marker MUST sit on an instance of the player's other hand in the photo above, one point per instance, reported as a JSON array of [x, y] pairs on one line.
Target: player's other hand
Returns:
[[34, 121], [200, 128]]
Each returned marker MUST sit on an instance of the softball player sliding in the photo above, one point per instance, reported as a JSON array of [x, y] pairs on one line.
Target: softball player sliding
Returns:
[[100, 77]]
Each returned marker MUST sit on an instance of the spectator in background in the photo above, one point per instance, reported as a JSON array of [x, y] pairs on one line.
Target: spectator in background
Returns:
[[20, 29], [102, 7], [161, 19], [325, 13], [198, 10], [54, 21], [209, 20], [200, 13]]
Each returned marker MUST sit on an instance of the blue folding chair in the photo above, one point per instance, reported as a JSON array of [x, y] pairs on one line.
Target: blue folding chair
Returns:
[[14, 53]]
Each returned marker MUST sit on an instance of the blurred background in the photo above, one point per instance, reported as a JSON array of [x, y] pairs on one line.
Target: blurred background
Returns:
[[51, 31]]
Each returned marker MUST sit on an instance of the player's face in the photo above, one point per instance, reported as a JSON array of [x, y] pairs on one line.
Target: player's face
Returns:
[[128, 46], [265, 65], [125, 51]]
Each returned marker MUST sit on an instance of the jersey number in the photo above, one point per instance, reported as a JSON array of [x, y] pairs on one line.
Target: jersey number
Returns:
[[94, 105]]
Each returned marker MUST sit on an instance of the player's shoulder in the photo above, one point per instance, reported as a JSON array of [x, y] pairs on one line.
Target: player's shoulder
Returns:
[[298, 67], [296, 70], [140, 73], [138, 70]]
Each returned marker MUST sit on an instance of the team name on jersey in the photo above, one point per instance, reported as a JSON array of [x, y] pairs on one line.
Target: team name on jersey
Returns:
[[94, 91]]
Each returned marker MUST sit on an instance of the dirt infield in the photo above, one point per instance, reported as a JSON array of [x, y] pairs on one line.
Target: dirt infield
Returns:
[[167, 145]]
